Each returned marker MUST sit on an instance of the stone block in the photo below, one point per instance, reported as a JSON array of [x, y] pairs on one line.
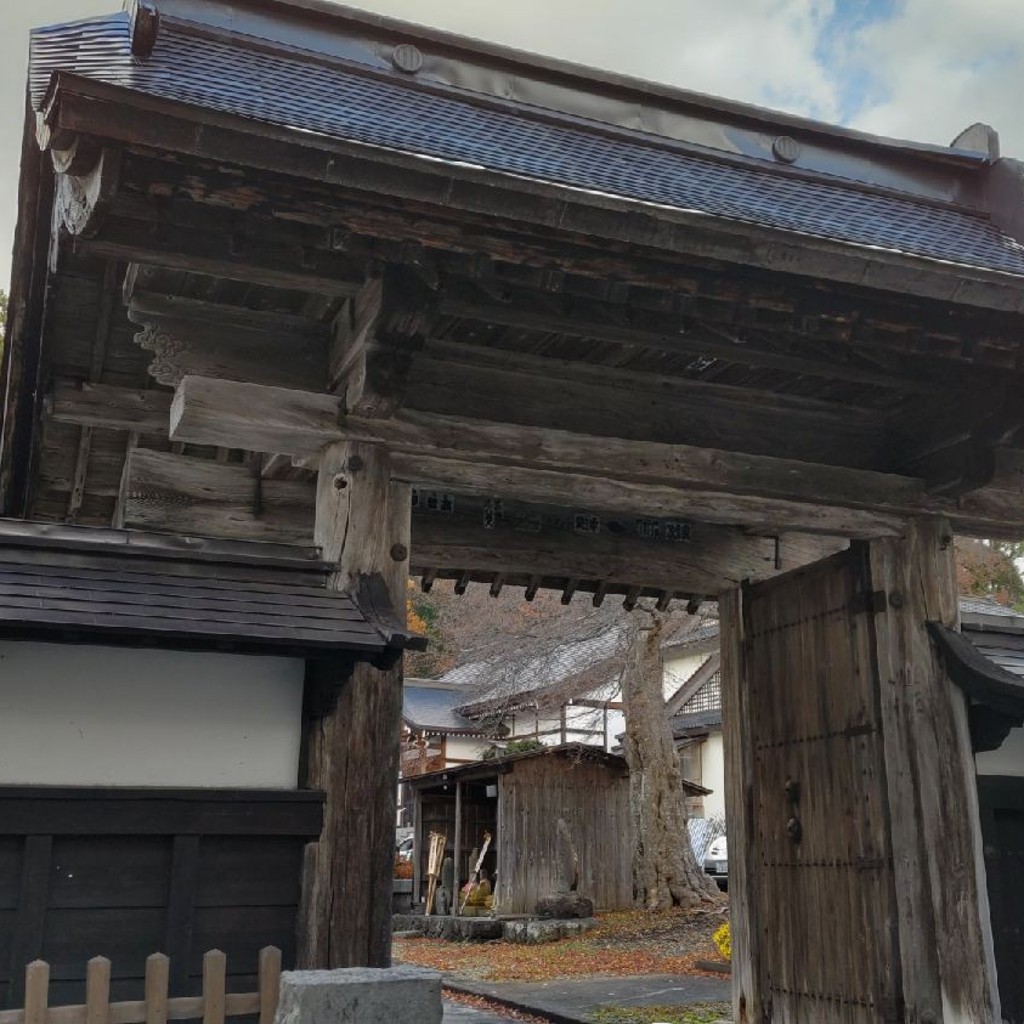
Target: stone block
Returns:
[[565, 905], [533, 933], [360, 995]]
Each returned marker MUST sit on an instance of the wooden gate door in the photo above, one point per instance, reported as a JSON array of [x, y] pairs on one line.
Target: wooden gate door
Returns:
[[823, 884]]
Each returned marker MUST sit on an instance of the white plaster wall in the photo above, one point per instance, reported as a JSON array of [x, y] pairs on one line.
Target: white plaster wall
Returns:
[[1007, 760], [106, 716], [679, 670], [464, 748], [712, 765]]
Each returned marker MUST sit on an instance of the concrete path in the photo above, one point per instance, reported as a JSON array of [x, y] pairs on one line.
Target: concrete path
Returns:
[[455, 1013], [571, 1001]]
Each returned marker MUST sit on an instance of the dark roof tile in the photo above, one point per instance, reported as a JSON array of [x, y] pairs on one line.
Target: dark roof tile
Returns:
[[344, 103]]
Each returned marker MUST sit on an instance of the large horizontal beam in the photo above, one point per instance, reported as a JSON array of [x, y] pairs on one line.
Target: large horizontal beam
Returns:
[[475, 457], [568, 549], [602, 473]]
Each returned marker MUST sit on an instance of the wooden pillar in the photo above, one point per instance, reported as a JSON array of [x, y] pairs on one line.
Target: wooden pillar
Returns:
[[417, 846], [362, 525], [738, 731], [457, 853], [945, 934]]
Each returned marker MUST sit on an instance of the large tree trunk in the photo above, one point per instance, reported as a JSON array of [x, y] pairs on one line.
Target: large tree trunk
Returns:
[[665, 871]]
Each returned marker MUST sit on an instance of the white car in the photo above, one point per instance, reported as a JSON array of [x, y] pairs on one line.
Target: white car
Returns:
[[716, 862]]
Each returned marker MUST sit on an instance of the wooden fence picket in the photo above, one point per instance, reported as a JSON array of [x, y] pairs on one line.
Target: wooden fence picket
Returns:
[[214, 1006], [37, 991], [97, 991], [158, 974], [215, 969], [269, 983]]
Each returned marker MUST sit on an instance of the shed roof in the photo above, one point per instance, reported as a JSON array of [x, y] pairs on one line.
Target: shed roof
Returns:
[[479, 770], [124, 587], [339, 96]]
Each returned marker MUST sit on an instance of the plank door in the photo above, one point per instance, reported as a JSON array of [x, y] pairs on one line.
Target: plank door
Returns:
[[823, 878]]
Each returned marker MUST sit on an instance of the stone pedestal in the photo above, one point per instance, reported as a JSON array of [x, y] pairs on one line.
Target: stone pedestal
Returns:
[[360, 995]]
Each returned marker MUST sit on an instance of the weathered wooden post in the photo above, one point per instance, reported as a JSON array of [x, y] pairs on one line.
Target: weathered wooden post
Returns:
[[945, 935], [856, 876], [362, 525]]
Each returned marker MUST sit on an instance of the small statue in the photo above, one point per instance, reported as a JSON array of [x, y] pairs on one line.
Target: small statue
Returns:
[[444, 899]]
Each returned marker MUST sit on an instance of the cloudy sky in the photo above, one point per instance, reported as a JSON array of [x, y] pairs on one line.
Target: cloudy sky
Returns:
[[920, 69]]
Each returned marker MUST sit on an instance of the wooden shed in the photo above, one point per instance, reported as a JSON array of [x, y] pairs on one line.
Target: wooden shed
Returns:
[[519, 800]]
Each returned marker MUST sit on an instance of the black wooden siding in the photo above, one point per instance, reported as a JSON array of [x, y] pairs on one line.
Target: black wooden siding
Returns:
[[127, 873]]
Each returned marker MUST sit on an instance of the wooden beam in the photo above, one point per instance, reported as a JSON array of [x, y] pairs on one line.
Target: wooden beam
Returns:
[[362, 524], [166, 492], [372, 360], [182, 494], [542, 541], [110, 407], [670, 500], [607, 474], [679, 335], [475, 382], [201, 338], [223, 254]]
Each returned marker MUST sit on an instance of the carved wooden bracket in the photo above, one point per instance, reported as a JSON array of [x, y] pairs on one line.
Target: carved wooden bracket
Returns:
[[182, 346], [87, 180], [170, 361]]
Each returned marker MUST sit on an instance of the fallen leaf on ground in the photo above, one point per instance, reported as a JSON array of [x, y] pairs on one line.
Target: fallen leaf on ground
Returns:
[[625, 943]]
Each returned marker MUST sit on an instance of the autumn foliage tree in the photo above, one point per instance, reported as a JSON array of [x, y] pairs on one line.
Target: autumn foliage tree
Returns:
[[990, 569]]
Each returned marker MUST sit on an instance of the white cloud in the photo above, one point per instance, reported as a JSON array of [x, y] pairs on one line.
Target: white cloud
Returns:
[[941, 65], [761, 51]]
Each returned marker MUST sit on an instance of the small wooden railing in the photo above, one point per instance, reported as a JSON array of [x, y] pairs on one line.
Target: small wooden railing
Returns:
[[212, 1007]]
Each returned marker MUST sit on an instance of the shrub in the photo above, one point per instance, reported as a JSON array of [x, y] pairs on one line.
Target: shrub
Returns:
[[723, 941]]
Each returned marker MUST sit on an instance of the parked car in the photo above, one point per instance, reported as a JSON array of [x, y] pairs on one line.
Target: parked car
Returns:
[[716, 862]]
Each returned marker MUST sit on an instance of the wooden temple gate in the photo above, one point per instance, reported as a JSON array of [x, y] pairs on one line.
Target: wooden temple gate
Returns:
[[437, 307]]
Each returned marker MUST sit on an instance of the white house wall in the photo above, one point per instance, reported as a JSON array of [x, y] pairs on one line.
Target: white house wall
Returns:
[[464, 748], [1007, 760], [104, 716], [712, 762], [679, 670]]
